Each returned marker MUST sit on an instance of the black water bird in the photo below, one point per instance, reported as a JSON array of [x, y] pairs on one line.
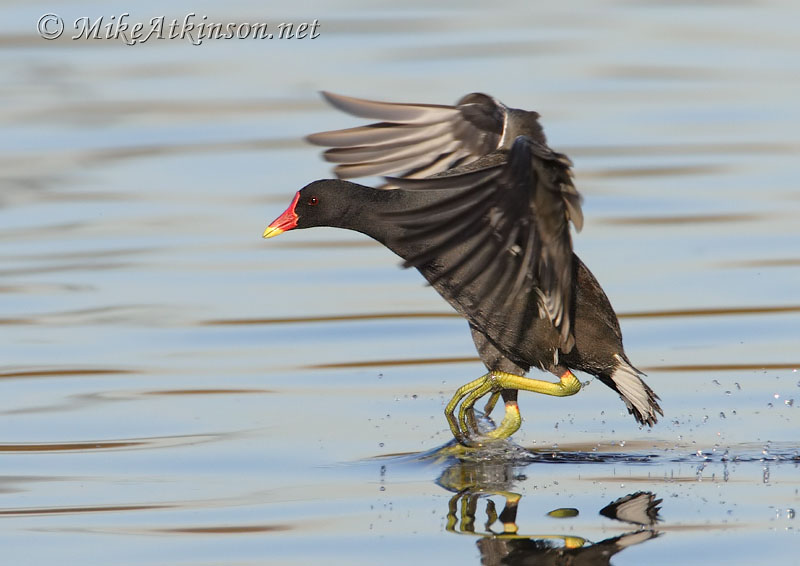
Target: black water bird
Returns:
[[481, 206]]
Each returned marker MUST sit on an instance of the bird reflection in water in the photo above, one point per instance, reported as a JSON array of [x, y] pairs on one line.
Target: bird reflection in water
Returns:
[[501, 542]]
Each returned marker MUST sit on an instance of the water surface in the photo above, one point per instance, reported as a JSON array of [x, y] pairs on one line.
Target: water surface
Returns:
[[178, 391]]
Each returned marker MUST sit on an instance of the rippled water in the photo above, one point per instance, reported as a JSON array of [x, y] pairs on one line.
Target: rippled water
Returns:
[[178, 391]]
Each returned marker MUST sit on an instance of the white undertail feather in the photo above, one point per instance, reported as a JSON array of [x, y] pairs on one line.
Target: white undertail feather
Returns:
[[638, 397]]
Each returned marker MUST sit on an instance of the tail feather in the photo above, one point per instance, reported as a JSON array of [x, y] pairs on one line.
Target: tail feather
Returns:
[[641, 401]]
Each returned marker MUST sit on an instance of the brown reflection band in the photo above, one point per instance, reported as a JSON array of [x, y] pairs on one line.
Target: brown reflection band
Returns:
[[92, 445], [62, 446], [16, 321], [721, 311], [227, 530], [724, 311], [63, 372], [207, 391], [653, 171], [670, 220], [777, 262], [67, 510]]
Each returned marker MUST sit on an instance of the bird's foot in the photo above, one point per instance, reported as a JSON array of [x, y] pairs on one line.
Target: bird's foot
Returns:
[[464, 428]]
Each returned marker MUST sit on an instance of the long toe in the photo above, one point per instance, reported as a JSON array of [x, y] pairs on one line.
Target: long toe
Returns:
[[465, 411]]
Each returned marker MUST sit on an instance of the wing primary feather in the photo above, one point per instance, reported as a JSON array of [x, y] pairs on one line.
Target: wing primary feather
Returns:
[[369, 169], [390, 152], [378, 134], [441, 163], [391, 111], [474, 127]]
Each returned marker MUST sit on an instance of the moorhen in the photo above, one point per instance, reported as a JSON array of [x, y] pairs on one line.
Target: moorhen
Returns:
[[481, 206]]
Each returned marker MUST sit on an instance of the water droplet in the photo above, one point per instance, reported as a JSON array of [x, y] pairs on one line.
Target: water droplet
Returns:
[[776, 396], [721, 415], [715, 382], [789, 402], [622, 443], [728, 392], [769, 405], [705, 418], [382, 488], [414, 396], [380, 444], [739, 387]]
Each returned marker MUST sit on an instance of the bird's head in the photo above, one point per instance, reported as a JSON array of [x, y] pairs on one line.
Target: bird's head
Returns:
[[321, 203]]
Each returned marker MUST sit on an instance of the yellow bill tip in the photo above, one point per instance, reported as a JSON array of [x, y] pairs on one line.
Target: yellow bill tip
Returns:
[[272, 231]]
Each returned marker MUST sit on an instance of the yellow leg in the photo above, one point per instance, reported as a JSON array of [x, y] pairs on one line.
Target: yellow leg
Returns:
[[494, 382], [511, 423], [567, 385]]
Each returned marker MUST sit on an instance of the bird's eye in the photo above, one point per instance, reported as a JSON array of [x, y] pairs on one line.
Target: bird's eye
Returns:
[[312, 201]]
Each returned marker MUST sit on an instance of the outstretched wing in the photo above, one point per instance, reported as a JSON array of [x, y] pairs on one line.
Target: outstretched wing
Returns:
[[515, 215], [411, 140]]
